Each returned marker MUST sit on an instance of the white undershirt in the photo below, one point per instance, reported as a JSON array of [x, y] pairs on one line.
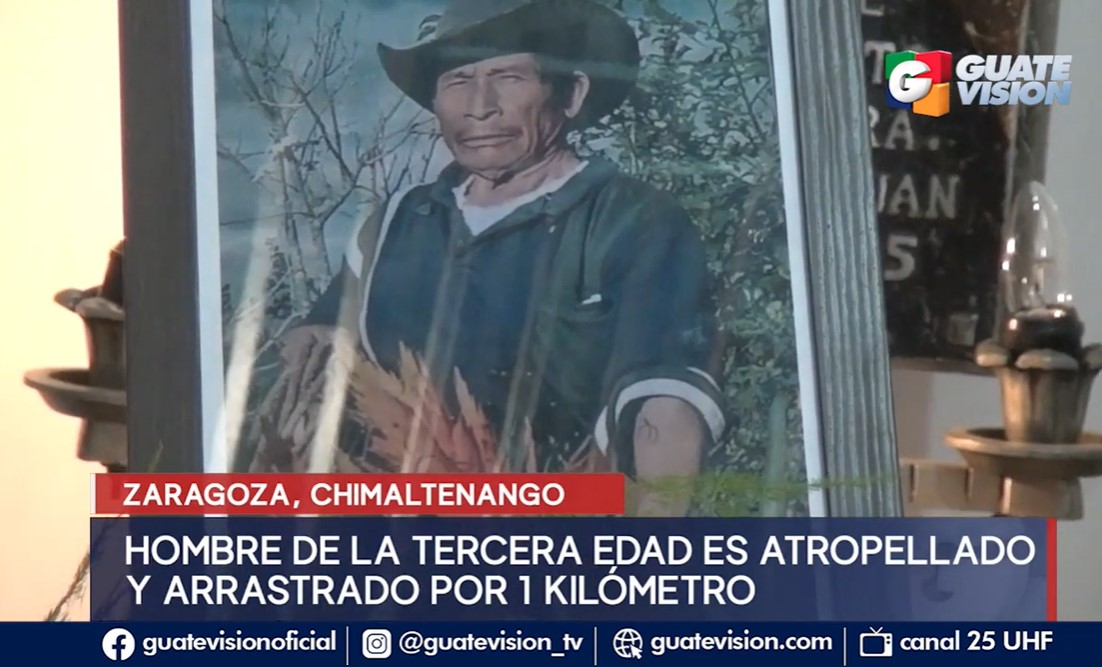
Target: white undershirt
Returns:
[[481, 218]]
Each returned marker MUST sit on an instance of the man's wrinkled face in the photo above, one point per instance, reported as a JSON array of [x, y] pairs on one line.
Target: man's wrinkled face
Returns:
[[497, 115]]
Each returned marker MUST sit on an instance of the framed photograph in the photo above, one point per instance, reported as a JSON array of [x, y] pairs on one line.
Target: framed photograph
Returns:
[[513, 236]]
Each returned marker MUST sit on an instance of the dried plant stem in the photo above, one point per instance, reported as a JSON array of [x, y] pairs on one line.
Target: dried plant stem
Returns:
[[75, 593], [79, 584]]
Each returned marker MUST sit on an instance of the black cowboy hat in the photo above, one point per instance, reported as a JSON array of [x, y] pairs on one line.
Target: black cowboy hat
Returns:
[[570, 35]]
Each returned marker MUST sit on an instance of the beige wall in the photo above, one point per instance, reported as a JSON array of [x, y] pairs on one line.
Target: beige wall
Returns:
[[60, 214]]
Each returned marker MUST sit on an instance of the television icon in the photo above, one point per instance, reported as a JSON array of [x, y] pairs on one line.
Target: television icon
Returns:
[[875, 644]]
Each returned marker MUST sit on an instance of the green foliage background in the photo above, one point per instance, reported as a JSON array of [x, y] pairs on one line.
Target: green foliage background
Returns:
[[702, 125]]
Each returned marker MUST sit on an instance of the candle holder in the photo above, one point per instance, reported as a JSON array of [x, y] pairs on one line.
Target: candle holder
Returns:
[[97, 394], [1033, 464]]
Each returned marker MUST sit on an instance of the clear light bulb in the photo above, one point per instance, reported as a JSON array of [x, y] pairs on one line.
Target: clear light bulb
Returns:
[[1034, 261], [1034, 276]]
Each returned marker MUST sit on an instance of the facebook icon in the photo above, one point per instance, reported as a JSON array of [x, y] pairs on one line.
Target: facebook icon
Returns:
[[118, 644]]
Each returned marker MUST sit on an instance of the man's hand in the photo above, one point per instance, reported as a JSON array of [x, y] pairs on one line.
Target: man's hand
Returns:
[[299, 343], [669, 448], [306, 351], [287, 418]]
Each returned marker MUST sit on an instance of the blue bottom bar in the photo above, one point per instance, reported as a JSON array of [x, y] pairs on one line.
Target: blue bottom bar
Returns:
[[558, 644]]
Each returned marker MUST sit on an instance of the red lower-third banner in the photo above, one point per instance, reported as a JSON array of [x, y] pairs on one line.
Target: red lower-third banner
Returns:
[[348, 494]]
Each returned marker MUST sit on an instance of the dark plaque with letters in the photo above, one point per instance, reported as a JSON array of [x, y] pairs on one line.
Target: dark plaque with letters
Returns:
[[943, 183]]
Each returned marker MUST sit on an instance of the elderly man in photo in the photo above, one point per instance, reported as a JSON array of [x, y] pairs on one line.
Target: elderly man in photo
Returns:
[[570, 297]]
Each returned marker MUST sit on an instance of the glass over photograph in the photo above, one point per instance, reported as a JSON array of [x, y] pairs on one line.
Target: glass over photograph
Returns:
[[513, 236]]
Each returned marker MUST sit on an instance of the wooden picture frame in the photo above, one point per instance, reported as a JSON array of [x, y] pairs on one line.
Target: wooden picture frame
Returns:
[[173, 285]]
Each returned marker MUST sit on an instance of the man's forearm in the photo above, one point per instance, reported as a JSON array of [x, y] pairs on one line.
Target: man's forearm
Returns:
[[669, 447]]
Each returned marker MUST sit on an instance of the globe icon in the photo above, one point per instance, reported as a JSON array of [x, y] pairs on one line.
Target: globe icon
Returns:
[[628, 643]]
